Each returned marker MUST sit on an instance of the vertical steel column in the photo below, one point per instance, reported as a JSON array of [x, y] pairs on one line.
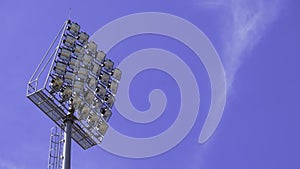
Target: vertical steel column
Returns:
[[67, 144]]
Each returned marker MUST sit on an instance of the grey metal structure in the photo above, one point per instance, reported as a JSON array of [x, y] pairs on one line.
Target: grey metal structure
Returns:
[[75, 85], [56, 148]]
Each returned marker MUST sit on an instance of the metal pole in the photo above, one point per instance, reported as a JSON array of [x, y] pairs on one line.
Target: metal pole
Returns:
[[67, 144]]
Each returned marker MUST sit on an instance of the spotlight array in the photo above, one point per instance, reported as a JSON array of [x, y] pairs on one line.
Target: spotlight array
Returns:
[[78, 92], [85, 80]]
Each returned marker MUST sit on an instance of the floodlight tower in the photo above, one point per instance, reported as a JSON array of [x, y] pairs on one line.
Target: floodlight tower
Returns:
[[75, 86]]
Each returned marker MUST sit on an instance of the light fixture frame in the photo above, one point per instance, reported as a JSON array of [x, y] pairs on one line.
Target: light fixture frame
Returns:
[[39, 92]]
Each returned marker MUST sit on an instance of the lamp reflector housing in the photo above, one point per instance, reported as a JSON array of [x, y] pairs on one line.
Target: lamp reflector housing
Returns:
[[100, 56], [96, 105], [83, 37], [87, 60], [69, 77], [74, 64], [116, 74], [95, 69], [56, 84], [109, 99], [73, 28], [102, 128], [100, 91], [69, 41], [60, 68], [92, 120], [78, 87], [84, 112], [64, 54], [78, 51], [108, 65], [113, 87], [92, 82], [82, 73], [76, 102], [92, 47], [89, 96], [106, 114], [104, 78], [66, 93]]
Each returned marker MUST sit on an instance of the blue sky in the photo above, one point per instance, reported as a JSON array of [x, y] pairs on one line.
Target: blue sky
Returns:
[[257, 41]]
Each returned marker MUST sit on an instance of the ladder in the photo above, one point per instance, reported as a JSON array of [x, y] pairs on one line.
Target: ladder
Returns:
[[56, 148]]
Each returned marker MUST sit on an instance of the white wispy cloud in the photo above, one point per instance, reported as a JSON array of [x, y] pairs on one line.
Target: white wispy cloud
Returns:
[[246, 22]]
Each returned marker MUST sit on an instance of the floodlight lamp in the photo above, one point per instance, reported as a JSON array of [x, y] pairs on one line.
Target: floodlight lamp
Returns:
[[95, 69], [106, 114], [78, 51], [69, 41], [104, 78], [87, 60], [108, 65], [60, 68], [92, 47], [56, 84], [76, 102], [102, 128], [89, 96], [69, 77], [113, 87], [78, 86], [109, 99], [66, 93], [64, 54], [83, 37], [73, 28], [100, 91], [92, 82], [83, 112], [116, 74], [82, 73], [92, 120], [96, 105], [74, 64], [100, 56]]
